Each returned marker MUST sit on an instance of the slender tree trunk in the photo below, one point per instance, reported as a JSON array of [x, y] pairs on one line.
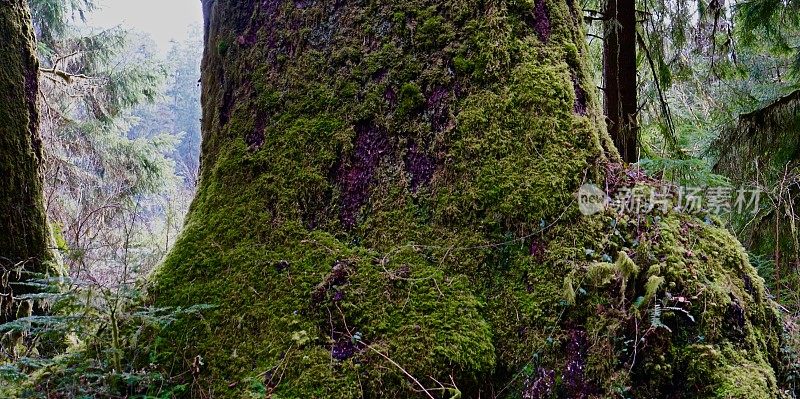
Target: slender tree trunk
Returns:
[[24, 234], [620, 78]]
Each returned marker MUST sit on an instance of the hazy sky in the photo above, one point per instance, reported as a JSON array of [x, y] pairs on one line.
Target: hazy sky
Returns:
[[164, 20]]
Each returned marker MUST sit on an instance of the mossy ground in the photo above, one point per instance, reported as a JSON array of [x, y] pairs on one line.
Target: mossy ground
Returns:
[[388, 191]]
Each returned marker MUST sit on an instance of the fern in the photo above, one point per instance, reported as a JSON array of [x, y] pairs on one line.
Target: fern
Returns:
[[655, 318], [96, 363]]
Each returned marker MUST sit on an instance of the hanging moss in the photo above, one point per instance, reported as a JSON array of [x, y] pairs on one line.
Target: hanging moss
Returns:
[[385, 205]]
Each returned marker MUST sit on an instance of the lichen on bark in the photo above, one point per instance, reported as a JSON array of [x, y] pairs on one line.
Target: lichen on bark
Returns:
[[409, 211]]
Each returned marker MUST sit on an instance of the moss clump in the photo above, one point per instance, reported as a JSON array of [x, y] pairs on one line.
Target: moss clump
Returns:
[[324, 314], [411, 99], [371, 219]]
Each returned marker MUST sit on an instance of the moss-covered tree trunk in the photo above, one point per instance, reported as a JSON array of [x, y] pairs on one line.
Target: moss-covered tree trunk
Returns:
[[387, 209], [24, 234]]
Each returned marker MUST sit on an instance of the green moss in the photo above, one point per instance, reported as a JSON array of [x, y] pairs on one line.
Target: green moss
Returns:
[[25, 238], [405, 308], [600, 274], [654, 284], [569, 290], [729, 372], [222, 48], [434, 31], [466, 254], [462, 65], [626, 266], [411, 99]]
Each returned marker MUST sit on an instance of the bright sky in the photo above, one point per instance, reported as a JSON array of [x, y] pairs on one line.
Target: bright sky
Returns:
[[164, 20]]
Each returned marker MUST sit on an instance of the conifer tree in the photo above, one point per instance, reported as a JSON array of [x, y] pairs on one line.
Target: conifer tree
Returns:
[[24, 235]]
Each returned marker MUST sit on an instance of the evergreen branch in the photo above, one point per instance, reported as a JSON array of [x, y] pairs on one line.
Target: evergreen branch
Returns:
[[64, 75], [670, 136]]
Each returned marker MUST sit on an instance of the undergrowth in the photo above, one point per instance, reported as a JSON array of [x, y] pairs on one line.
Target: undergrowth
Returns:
[[80, 339]]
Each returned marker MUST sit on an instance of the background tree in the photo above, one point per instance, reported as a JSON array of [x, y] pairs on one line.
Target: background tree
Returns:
[[718, 89], [100, 174], [620, 83], [25, 238], [717, 83], [641, 45], [178, 110], [115, 202]]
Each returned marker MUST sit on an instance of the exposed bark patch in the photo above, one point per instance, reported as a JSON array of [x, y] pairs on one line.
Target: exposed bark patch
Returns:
[[255, 139], [436, 103], [735, 318], [282, 266], [31, 93], [227, 107], [420, 166], [343, 349], [575, 383], [581, 98], [390, 96], [748, 285], [248, 39], [522, 332], [540, 386], [303, 4], [537, 249], [355, 178], [380, 75], [541, 22]]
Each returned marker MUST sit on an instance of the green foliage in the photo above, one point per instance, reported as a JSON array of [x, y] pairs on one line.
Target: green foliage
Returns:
[[95, 341], [771, 23], [106, 184], [54, 18], [114, 203], [691, 172]]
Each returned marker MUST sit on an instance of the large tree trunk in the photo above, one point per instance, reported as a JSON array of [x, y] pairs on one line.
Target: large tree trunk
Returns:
[[24, 234], [620, 78], [387, 200]]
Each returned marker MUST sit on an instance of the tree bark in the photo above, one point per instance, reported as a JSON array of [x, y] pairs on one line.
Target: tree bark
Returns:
[[388, 199], [620, 77], [24, 234]]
